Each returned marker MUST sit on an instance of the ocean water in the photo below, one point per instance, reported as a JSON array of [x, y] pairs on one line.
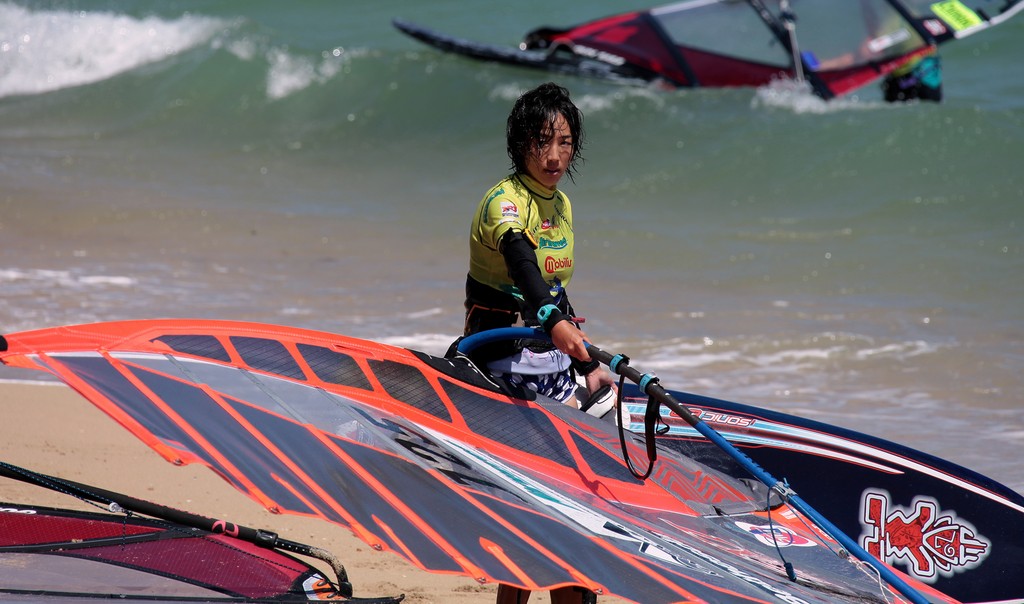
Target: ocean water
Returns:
[[306, 164]]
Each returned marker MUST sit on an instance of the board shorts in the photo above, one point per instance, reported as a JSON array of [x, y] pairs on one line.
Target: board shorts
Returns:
[[548, 373]]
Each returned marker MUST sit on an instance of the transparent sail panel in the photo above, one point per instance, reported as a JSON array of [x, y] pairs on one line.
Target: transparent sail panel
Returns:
[[730, 29]]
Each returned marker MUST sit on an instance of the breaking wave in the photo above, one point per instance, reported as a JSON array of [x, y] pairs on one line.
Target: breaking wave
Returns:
[[44, 51], [48, 50]]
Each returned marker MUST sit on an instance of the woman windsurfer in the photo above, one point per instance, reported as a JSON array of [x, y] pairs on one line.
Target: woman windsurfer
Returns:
[[521, 260]]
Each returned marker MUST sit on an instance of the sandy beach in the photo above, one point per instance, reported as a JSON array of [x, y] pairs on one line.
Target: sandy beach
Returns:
[[51, 429]]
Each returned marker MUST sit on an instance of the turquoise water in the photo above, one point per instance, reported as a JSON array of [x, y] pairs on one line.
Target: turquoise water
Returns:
[[306, 164]]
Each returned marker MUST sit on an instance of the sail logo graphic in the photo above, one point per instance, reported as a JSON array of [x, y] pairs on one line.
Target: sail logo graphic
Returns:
[[775, 535], [956, 14], [717, 417], [935, 27], [316, 589], [931, 542]]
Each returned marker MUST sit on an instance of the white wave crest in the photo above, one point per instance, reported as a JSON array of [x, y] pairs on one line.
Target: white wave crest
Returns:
[[635, 98], [289, 73], [47, 50], [756, 360], [63, 278]]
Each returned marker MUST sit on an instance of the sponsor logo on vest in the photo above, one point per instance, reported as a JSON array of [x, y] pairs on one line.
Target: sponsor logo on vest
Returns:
[[500, 191], [552, 265], [548, 244], [509, 209], [931, 541]]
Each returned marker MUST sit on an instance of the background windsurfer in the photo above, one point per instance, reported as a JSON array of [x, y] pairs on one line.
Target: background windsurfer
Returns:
[[920, 79]]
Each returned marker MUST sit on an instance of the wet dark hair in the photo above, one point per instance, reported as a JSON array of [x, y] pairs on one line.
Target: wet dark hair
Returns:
[[533, 114]]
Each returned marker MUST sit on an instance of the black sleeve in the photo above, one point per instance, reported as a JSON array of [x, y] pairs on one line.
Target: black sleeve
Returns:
[[521, 261]]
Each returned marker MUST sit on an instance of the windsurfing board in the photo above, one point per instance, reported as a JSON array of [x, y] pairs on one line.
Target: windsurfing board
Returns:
[[943, 524]]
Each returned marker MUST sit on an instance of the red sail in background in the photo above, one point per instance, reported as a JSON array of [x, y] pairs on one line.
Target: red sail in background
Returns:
[[845, 44], [837, 46]]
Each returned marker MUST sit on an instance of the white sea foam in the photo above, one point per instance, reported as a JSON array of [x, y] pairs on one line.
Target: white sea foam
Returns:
[[427, 312], [47, 50], [758, 367], [63, 278], [289, 73], [430, 343], [635, 98], [294, 311], [798, 97], [631, 97]]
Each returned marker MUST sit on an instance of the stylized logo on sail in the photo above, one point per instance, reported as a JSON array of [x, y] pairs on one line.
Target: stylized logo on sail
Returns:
[[775, 535], [933, 543]]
